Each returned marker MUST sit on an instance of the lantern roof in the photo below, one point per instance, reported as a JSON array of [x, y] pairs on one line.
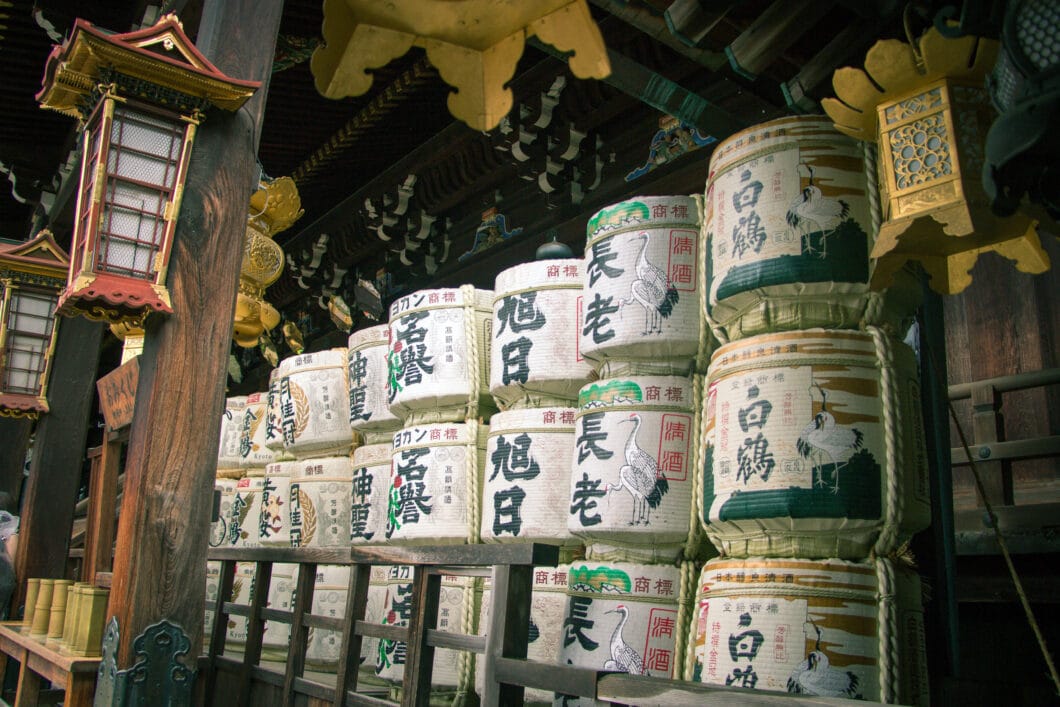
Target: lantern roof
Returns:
[[38, 256], [161, 55]]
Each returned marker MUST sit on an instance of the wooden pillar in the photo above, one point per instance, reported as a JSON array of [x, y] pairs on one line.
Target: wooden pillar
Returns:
[[58, 455], [160, 562], [14, 439]]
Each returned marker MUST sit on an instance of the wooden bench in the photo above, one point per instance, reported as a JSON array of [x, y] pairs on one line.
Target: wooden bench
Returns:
[[37, 662]]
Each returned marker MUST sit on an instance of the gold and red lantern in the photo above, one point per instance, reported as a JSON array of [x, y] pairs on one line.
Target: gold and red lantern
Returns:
[[140, 96], [31, 276]]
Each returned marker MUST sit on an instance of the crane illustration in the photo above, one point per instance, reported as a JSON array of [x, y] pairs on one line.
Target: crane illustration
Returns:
[[651, 290], [640, 477], [823, 438], [815, 676], [623, 657], [812, 211]]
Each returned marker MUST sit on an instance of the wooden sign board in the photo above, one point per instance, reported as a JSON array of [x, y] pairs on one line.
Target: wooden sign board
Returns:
[[117, 394]]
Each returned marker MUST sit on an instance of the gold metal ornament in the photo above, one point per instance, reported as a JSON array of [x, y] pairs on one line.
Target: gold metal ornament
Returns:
[[928, 109]]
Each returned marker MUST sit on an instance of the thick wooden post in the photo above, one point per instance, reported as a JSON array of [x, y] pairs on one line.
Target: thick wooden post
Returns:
[[58, 455], [14, 439], [160, 563]]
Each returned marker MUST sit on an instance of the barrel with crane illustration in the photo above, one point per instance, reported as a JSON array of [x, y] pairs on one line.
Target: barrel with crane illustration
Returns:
[[274, 520], [439, 354], [253, 450], [642, 279], [621, 617], [536, 359], [229, 459], [371, 491], [320, 502], [527, 477], [367, 368], [813, 445], [314, 397], [632, 474], [790, 216], [827, 628]]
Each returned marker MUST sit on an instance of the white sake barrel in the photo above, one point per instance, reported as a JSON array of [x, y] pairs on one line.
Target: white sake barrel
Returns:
[[367, 369], [253, 452], [274, 414], [274, 526], [829, 628], [329, 599], [527, 479], [641, 301], [242, 593], [397, 610], [535, 358], [791, 214], [374, 613], [632, 471], [813, 446], [277, 635], [219, 529], [228, 450], [320, 502], [439, 355], [245, 518], [621, 617], [314, 396], [371, 492], [548, 608], [436, 484]]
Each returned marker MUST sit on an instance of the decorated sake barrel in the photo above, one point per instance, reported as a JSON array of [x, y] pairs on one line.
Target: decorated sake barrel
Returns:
[[320, 502], [367, 368], [245, 518], [527, 479], [313, 404], [640, 302], [813, 446], [277, 635], [621, 617], [274, 521], [436, 484], [548, 609], [826, 628], [253, 452], [242, 593], [535, 359], [397, 610], [374, 613], [329, 599], [631, 471], [229, 457], [274, 414], [371, 491], [438, 360], [213, 582], [219, 529], [791, 214]]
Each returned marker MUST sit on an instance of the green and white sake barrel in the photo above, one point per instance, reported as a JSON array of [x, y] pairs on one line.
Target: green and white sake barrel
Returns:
[[828, 628], [367, 369], [229, 458], [439, 355], [397, 610], [274, 521], [436, 484], [791, 214], [253, 452], [536, 359], [813, 446], [277, 636], [320, 500], [314, 397], [219, 533], [527, 479], [274, 415], [329, 599], [374, 611], [371, 491], [620, 617], [632, 475], [245, 517], [640, 305]]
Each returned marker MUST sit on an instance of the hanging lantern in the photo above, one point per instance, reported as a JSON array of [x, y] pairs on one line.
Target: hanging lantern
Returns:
[[31, 276], [140, 96], [928, 109], [273, 208], [132, 339]]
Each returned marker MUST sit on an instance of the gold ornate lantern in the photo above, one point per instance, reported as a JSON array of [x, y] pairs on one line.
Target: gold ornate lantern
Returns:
[[31, 276], [274, 207], [928, 109], [140, 96]]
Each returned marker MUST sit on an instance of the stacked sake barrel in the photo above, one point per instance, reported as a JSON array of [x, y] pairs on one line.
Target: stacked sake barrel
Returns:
[[812, 452]]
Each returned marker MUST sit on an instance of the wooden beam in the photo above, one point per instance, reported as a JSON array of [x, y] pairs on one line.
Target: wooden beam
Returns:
[[102, 495], [160, 563], [58, 453], [16, 433], [772, 32]]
